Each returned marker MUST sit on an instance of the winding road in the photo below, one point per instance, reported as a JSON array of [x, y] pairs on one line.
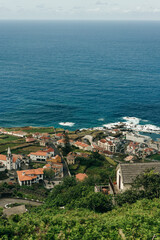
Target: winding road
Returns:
[[4, 201]]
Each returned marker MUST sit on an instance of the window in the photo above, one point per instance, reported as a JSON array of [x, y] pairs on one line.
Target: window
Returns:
[[119, 181]]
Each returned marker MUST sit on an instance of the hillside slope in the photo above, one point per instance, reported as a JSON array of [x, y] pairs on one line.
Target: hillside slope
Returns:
[[137, 221]]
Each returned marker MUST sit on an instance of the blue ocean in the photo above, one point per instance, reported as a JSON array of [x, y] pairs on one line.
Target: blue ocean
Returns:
[[86, 73]]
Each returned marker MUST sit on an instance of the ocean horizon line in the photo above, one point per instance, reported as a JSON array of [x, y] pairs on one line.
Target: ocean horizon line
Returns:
[[82, 20]]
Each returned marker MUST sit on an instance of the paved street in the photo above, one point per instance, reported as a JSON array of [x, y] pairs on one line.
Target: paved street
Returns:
[[65, 167], [4, 201]]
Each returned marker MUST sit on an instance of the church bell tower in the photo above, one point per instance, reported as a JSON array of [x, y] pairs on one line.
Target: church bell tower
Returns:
[[9, 160]]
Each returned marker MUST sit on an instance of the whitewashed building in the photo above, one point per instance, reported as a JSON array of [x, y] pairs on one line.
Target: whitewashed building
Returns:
[[126, 173], [29, 177], [107, 145], [11, 161], [42, 155]]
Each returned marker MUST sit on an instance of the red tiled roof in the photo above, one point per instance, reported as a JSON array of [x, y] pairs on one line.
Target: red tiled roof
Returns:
[[47, 165], [81, 176], [109, 142], [103, 141], [3, 157], [30, 139], [129, 158], [26, 174], [59, 134], [39, 153], [148, 149], [56, 159], [45, 138], [48, 150], [61, 141], [15, 157], [81, 144]]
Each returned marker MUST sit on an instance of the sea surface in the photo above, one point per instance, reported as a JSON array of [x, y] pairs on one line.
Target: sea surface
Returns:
[[84, 73]]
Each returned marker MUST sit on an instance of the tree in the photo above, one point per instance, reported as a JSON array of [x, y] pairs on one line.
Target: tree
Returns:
[[49, 174], [97, 202], [67, 148], [149, 182]]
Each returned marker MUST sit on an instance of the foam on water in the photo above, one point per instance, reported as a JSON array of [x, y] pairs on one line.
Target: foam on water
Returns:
[[134, 124], [132, 120], [101, 119], [67, 124]]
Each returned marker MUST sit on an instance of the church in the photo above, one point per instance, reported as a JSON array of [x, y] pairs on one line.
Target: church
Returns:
[[11, 161]]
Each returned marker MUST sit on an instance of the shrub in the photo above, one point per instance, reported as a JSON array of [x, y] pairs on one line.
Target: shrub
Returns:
[[129, 196], [97, 202]]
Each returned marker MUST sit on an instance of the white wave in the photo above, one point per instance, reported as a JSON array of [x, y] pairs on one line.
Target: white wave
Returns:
[[132, 123], [147, 128], [101, 119], [98, 128], [68, 124], [144, 120], [83, 129], [112, 125], [132, 120]]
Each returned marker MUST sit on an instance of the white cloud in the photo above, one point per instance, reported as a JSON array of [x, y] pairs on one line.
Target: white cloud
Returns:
[[93, 10], [79, 9], [156, 10]]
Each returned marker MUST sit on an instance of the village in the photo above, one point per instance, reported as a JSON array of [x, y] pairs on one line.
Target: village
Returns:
[[118, 155]]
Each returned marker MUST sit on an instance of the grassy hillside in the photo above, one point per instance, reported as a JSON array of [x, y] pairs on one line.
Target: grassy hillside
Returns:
[[73, 211], [138, 221]]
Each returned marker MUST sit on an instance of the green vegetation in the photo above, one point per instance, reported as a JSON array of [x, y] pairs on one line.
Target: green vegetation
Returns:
[[87, 215], [73, 194], [137, 221], [36, 191], [32, 129], [49, 174], [67, 148], [3, 175], [73, 211], [111, 161], [155, 157], [119, 157], [39, 129], [15, 205], [95, 165], [34, 165], [15, 143], [28, 149], [4, 147], [146, 185], [7, 138], [1, 211]]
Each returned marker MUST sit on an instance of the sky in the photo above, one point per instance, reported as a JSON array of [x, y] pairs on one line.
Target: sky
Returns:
[[80, 9]]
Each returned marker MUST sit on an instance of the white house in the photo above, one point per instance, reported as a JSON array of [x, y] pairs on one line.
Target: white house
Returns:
[[134, 137], [19, 134], [28, 177], [107, 145], [42, 155], [126, 173]]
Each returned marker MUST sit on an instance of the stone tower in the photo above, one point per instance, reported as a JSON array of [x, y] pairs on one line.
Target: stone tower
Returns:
[[9, 160]]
